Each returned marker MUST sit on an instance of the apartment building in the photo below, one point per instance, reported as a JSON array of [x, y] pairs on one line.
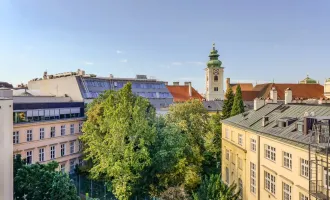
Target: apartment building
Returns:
[[278, 150], [46, 128], [80, 86]]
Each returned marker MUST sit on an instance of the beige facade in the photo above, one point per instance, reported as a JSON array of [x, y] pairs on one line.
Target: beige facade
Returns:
[[327, 88], [214, 84]]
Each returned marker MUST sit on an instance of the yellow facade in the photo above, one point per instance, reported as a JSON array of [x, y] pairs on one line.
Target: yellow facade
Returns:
[[281, 163]]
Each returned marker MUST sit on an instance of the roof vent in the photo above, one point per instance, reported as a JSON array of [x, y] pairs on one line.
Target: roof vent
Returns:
[[265, 121]]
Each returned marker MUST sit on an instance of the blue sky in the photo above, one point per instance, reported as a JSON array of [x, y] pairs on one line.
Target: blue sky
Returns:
[[170, 40]]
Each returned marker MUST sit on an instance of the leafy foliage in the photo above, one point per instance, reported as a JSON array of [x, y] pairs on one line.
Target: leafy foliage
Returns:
[[213, 188], [41, 182], [119, 130], [177, 193], [238, 105], [228, 103]]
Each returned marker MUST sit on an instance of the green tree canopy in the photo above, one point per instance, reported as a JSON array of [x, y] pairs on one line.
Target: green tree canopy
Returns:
[[41, 182], [238, 105], [228, 103], [118, 133]]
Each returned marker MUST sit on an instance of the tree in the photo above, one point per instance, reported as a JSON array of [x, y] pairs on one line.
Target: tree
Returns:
[[193, 120], [118, 133], [41, 182], [228, 103], [238, 105], [177, 193], [213, 188]]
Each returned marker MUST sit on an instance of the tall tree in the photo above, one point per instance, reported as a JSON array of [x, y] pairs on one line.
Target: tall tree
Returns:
[[193, 120], [228, 103], [41, 182], [118, 133], [238, 105], [213, 188]]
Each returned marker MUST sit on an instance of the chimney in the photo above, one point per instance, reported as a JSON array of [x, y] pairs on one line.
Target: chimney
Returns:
[[190, 89], [45, 75], [273, 95], [111, 75], [166, 83], [227, 83], [288, 96], [176, 83], [258, 103]]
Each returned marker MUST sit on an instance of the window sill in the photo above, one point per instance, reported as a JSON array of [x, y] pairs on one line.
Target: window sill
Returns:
[[274, 161], [270, 193], [290, 169]]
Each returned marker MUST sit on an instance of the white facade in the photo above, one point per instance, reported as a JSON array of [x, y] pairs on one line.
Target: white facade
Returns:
[[214, 84], [6, 146]]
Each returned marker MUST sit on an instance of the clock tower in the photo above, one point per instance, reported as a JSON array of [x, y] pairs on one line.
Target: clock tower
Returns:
[[214, 77]]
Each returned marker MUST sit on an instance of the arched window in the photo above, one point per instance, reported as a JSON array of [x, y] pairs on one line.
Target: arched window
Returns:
[[216, 78]]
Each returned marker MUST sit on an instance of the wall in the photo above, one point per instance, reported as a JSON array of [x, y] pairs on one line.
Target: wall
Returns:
[[38, 99], [327, 89], [58, 87], [6, 149], [210, 94]]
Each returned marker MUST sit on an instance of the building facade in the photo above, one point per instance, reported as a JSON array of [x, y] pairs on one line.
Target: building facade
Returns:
[[47, 131], [327, 88], [214, 77], [267, 151], [86, 87]]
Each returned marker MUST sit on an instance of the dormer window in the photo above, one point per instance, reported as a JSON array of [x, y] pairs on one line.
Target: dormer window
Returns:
[[300, 127]]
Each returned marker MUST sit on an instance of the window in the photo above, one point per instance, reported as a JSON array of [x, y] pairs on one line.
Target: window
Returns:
[[216, 89], [42, 133], [253, 145], [80, 146], [303, 197], [62, 150], [270, 182], [80, 127], [240, 139], [286, 192], [304, 168], [287, 160], [326, 177], [227, 154], [72, 147], [227, 133], [227, 175], [52, 152], [240, 187], [81, 162], [232, 157], [300, 127], [72, 166], [240, 163], [71, 129], [253, 178], [41, 155], [270, 153], [63, 167], [29, 157], [63, 130], [216, 78], [52, 131], [29, 135], [15, 137]]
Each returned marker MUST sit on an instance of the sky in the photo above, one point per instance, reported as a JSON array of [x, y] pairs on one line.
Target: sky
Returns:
[[258, 41]]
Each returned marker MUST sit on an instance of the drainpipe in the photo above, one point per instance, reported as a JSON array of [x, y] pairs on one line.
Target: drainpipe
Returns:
[[258, 180]]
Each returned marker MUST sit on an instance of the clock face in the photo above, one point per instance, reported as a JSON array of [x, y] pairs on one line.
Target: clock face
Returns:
[[216, 71]]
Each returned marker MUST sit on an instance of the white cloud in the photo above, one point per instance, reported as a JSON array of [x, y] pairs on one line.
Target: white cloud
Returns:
[[119, 52], [176, 63], [124, 61], [88, 63]]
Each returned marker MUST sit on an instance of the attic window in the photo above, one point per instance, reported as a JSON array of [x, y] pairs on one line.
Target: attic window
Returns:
[[300, 127], [281, 124]]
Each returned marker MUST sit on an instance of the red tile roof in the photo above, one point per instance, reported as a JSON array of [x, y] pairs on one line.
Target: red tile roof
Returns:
[[305, 91], [180, 93], [244, 86]]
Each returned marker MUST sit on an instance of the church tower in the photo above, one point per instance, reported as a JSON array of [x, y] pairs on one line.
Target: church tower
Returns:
[[214, 77]]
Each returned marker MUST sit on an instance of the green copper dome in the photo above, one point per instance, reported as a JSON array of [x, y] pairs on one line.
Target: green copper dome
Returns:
[[214, 58], [308, 80], [328, 80]]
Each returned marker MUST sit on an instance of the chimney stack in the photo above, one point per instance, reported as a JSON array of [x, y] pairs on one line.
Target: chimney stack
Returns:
[[258, 103], [176, 83], [288, 96], [190, 89], [227, 83], [273, 95], [45, 75]]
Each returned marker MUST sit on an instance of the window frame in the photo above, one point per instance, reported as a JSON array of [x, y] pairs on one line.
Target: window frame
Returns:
[[304, 168], [240, 139], [270, 153], [52, 132], [227, 133], [72, 147], [41, 154], [15, 137], [29, 135], [63, 130], [287, 160], [253, 145], [71, 129], [227, 175], [41, 133], [303, 197], [27, 157], [270, 183], [253, 176], [227, 154], [63, 149], [216, 89], [52, 152], [287, 191]]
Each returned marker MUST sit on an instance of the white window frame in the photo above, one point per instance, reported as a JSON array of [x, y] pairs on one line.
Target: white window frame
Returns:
[[52, 152], [287, 160], [29, 154], [71, 129], [270, 153], [72, 144], [253, 145], [253, 176], [29, 135], [63, 149], [42, 133], [52, 131], [62, 130], [227, 154], [303, 197], [16, 137], [227, 133], [240, 139], [41, 154], [304, 168], [287, 191], [270, 183]]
